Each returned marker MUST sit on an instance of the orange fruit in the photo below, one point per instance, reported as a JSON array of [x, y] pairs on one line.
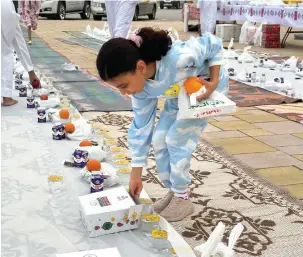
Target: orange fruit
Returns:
[[93, 165], [69, 127], [44, 97], [64, 114], [192, 85], [85, 143]]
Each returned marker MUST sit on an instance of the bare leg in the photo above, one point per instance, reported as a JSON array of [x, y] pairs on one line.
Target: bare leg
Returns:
[[8, 101], [29, 31]]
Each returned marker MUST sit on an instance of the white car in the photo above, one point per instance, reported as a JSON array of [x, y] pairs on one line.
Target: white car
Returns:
[[59, 8], [143, 8]]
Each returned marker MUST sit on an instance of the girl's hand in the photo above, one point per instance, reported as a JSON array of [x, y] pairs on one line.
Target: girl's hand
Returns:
[[135, 183], [210, 87], [32, 76]]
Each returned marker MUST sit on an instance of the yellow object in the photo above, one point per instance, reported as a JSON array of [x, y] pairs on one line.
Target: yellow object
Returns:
[[293, 2], [109, 138], [150, 217], [145, 201], [115, 149], [172, 91], [113, 219], [55, 178], [76, 116], [102, 132], [111, 142], [172, 250], [159, 234], [120, 156], [122, 162], [125, 170]]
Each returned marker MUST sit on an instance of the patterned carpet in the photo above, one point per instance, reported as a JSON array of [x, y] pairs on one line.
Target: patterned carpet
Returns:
[[224, 190], [292, 112], [246, 96]]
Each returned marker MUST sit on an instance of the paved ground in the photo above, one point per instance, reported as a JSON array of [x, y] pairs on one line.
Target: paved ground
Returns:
[[268, 143]]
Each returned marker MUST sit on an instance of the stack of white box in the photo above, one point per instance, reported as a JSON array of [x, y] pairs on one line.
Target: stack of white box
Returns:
[[228, 31]]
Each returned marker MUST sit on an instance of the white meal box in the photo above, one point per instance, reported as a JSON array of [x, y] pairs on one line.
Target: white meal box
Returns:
[[217, 104], [110, 252], [112, 211], [228, 31]]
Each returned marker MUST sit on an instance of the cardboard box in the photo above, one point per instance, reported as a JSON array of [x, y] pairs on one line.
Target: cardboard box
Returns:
[[228, 31], [270, 44], [112, 211], [271, 28], [110, 252], [271, 37], [216, 105]]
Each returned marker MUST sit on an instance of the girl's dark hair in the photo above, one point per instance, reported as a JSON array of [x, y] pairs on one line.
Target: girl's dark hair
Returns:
[[120, 55]]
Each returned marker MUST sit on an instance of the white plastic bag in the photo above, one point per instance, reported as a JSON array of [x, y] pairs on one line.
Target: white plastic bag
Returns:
[[258, 36], [94, 152], [246, 57], [290, 64], [83, 130], [248, 31]]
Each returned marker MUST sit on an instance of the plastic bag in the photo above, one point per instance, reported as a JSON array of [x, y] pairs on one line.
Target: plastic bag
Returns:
[[246, 57], [258, 36], [248, 31], [69, 67], [290, 64], [83, 130], [94, 152]]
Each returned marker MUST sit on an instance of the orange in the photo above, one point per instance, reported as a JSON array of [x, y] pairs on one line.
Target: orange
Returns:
[[192, 85], [93, 165], [69, 128], [85, 143], [64, 114]]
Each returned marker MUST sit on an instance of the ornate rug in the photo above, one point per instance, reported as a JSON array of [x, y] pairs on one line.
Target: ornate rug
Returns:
[[292, 112], [224, 190], [247, 96]]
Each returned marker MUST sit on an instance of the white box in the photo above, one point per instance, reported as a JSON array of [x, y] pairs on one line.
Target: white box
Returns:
[[111, 211], [216, 105], [110, 252], [228, 31]]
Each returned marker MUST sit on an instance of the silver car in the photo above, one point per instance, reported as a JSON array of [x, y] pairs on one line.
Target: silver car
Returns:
[[59, 8], [143, 8]]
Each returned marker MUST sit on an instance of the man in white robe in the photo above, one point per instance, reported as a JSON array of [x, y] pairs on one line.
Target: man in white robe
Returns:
[[120, 14], [208, 13], [12, 39]]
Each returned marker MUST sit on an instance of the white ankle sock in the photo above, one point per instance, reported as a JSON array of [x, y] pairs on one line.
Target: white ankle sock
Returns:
[[183, 196]]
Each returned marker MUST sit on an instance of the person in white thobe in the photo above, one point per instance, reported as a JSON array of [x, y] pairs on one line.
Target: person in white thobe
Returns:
[[208, 13], [120, 14], [12, 39]]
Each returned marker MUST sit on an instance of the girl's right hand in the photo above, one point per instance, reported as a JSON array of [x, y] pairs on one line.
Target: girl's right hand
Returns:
[[135, 183]]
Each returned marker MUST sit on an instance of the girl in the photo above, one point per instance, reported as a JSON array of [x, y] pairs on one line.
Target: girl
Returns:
[[29, 10], [144, 66]]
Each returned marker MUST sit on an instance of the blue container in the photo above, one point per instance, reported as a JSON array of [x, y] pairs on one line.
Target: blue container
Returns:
[[30, 102], [96, 184], [22, 91], [58, 131], [80, 158], [41, 114]]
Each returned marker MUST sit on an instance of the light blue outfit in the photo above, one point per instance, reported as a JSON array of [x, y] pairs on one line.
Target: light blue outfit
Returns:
[[173, 140]]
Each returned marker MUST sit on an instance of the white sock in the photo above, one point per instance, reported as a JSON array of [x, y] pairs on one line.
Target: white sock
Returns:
[[182, 195]]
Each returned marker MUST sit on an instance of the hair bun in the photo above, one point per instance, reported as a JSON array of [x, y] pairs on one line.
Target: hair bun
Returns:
[[155, 45]]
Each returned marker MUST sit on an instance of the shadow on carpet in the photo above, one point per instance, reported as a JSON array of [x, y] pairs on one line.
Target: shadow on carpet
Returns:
[[246, 96]]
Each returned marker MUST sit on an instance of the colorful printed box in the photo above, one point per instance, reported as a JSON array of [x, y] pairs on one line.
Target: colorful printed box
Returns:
[[112, 252], [112, 211], [271, 44]]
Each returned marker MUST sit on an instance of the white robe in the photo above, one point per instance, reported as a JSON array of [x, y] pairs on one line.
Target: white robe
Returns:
[[11, 39], [208, 13], [120, 14]]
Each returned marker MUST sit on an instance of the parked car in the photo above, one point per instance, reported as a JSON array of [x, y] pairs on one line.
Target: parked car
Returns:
[[169, 4], [143, 8], [59, 8]]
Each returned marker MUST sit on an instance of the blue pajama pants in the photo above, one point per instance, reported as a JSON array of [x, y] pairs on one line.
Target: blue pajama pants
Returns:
[[174, 141]]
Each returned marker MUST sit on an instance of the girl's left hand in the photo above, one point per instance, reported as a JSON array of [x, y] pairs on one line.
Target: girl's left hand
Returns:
[[210, 87]]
